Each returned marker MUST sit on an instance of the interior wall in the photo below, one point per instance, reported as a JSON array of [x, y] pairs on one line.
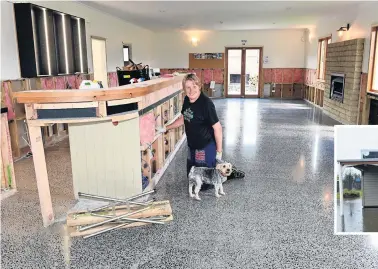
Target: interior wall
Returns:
[[361, 20], [348, 147], [10, 68], [284, 48], [98, 24]]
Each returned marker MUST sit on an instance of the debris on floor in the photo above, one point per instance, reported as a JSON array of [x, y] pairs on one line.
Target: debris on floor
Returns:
[[117, 214]]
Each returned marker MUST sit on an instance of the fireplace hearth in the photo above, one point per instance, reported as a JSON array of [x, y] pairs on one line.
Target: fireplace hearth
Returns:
[[337, 87]]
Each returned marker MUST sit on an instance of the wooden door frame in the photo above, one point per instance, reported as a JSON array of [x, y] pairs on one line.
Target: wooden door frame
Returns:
[[242, 84]]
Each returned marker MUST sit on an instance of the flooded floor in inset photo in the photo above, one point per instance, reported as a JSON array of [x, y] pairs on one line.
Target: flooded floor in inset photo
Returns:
[[356, 218]]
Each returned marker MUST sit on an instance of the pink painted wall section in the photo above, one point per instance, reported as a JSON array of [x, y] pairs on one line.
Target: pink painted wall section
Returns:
[[277, 75], [218, 75], [8, 101], [147, 128], [310, 77], [60, 83], [198, 72], [71, 82], [112, 79], [48, 83], [287, 75], [298, 76], [268, 75], [207, 76]]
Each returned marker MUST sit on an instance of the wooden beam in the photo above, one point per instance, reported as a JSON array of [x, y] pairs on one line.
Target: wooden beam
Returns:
[[65, 105], [121, 92], [113, 118], [41, 175], [124, 101], [31, 113]]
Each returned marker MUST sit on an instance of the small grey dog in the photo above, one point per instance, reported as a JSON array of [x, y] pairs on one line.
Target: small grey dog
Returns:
[[216, 176]]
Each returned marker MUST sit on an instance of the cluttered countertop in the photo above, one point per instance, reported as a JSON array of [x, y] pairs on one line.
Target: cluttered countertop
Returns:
[[100, 94]]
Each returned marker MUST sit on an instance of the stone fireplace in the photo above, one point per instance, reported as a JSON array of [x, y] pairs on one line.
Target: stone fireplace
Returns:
[[343, 77]]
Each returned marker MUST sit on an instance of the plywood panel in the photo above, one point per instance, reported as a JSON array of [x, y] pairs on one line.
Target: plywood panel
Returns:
[[106, 158], [287, 90], [276, 91], [298, 90], [205, 63]]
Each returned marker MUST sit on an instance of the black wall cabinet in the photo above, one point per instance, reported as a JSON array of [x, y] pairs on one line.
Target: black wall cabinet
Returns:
[[50, 42]]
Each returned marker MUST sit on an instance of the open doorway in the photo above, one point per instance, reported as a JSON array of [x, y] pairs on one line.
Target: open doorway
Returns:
[[100, 69], [243, 69]]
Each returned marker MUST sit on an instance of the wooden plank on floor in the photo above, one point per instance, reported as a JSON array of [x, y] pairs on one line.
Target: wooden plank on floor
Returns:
[[158, 208], [73, 232]]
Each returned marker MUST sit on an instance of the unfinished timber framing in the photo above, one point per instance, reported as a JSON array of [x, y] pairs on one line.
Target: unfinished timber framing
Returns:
[[314, 93], [8, 181], [17, 116], [106, 121]]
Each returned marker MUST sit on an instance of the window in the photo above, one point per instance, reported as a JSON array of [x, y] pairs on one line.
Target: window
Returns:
[[322, 52], [373, 61], [126, 54]]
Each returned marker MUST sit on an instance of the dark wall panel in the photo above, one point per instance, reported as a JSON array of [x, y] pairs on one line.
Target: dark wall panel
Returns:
[[45, 40], [79, 45], [49, 42], [25, 39], [63, 40]]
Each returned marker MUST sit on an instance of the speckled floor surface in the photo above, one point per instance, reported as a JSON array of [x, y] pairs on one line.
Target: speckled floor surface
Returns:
[[279, 216]]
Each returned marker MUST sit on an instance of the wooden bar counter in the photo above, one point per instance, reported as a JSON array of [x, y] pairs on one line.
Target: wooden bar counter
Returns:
[[114, 149]]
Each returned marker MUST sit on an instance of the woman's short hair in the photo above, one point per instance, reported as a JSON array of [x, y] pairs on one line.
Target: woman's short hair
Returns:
[[192, 77]]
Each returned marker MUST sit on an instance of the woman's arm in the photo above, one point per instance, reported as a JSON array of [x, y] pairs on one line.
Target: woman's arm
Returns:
[[176, 124], [218, 136]]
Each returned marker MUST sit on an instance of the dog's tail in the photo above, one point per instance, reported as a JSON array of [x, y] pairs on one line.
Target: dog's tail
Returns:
[[191, 171]]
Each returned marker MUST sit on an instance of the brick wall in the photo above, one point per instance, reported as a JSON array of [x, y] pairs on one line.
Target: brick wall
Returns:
[[345, 58]]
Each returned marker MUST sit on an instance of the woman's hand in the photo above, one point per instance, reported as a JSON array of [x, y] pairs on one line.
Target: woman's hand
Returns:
[[218, 137]]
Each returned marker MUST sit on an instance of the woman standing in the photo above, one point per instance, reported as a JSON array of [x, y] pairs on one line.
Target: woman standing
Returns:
[[202, 127]]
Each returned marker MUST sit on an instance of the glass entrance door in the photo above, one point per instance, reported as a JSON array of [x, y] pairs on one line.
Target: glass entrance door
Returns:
[[243, 67]]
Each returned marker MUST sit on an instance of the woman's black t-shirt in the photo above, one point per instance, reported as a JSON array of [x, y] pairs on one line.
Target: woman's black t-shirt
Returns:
[[199, 118]]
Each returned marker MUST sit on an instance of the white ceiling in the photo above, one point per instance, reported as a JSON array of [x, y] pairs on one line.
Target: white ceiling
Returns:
[[222, 15]]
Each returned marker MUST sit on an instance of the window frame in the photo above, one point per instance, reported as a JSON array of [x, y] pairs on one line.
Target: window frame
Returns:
[[373, 65], [124, 45], [328, 40]]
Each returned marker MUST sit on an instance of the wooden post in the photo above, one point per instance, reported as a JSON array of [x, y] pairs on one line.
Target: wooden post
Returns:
[[6, 154], [41, 175]]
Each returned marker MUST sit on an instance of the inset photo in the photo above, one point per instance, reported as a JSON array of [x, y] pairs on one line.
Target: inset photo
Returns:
[[356, 179]]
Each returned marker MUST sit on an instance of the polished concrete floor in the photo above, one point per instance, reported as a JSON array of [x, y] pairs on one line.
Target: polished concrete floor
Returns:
[[279, 216]]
